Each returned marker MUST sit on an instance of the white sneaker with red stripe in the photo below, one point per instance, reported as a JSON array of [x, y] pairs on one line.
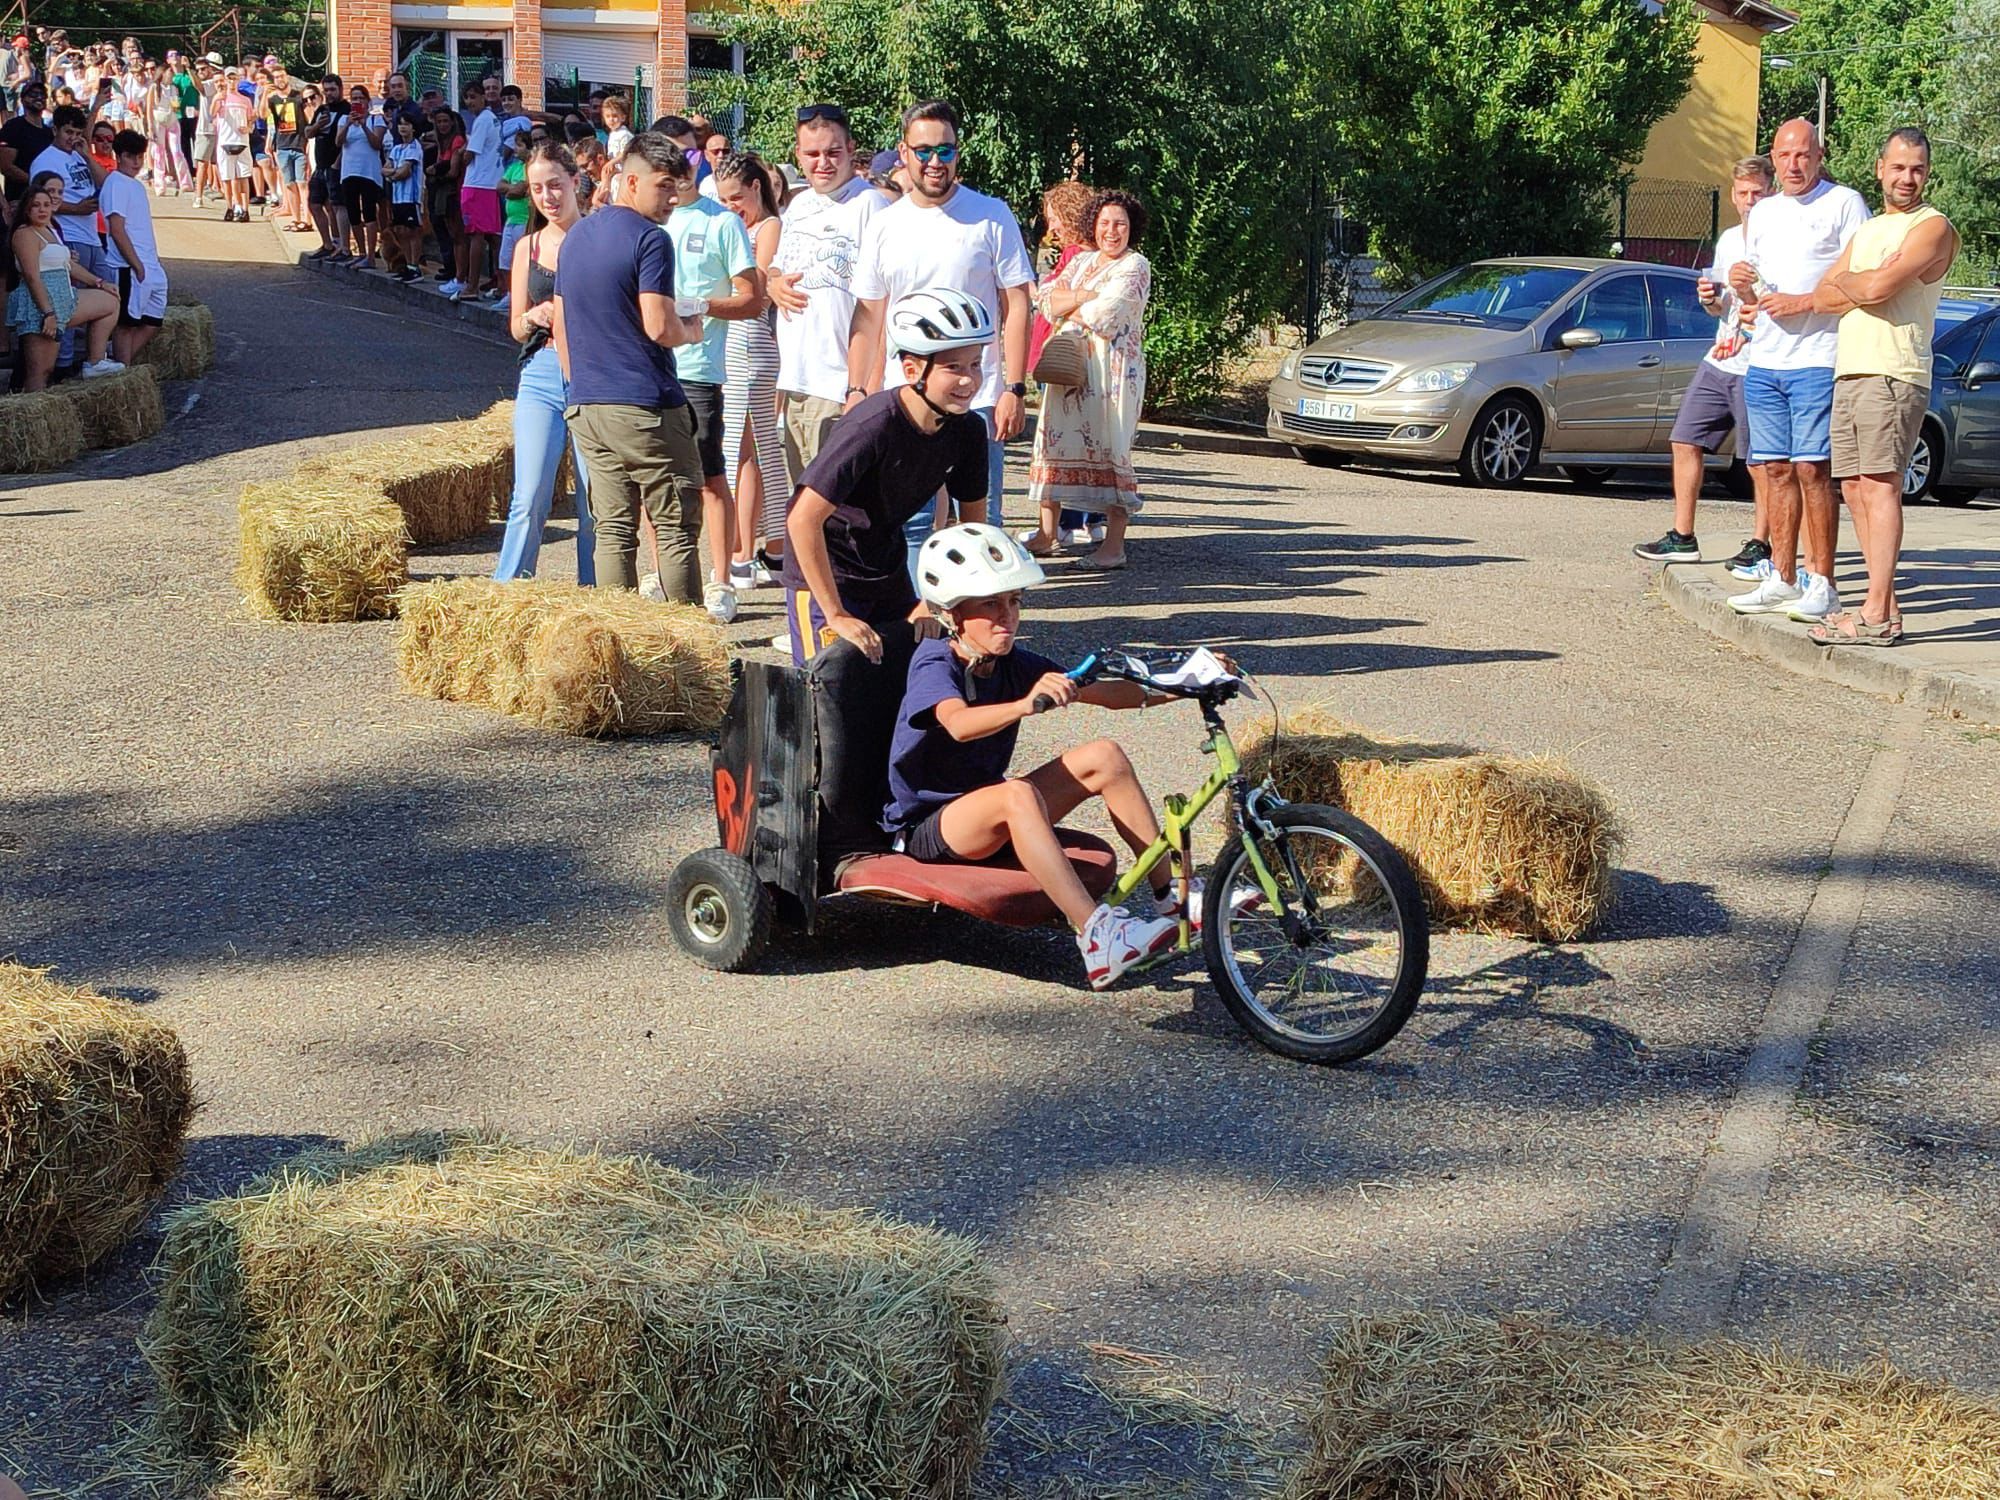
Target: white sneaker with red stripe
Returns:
[[1244, 898], [1111, 943]]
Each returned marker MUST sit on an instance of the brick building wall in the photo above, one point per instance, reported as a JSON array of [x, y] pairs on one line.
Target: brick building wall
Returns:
[[528, 51], [363, 40], [670, 76]]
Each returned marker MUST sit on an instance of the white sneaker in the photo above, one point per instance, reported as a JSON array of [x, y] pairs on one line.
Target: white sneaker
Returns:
[[1817, 600], [450, 288], [1080, 537], [1169, 905], [650, 587], [1757, 572], [99, 367], [782, 643], [750, 575], [1111, 943], [1771, 597], [720, 602]]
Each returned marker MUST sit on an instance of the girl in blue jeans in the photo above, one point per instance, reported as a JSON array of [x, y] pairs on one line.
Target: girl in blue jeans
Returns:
[[539, 429]]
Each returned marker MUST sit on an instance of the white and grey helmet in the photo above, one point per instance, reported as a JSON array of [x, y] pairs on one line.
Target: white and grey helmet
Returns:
[[928, 323]]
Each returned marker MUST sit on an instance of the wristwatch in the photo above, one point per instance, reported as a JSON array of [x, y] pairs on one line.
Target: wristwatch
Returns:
[[1018, 388]]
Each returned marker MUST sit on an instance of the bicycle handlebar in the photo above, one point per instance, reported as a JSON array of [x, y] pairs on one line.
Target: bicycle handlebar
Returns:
[[1114, 663]]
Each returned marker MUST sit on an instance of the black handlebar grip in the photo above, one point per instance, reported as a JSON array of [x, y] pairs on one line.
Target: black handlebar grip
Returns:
[[1043, 703]]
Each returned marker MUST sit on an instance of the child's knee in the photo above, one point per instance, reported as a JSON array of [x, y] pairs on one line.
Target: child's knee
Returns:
[[1106, 758], [1022, 799]]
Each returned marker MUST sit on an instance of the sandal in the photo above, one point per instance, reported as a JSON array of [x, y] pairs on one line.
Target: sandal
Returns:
[[1028, 538], [1853, 630], [1105, 564]]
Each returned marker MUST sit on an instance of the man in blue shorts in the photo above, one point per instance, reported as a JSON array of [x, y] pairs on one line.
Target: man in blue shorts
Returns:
[[1790, 241]]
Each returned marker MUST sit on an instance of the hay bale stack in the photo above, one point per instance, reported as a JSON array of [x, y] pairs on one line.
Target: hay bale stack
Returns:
[[115, 410], [185, 345], [309, 552], [456, 1316], [39, 433], [1513, 1410], [95, 1101], [576, 660], [448, 482], [1500, 843]]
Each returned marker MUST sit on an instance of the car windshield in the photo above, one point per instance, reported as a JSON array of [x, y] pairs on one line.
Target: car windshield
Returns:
[[1495, 296]]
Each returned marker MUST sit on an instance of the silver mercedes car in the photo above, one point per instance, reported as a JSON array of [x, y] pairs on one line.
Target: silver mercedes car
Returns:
[[1505, 365]]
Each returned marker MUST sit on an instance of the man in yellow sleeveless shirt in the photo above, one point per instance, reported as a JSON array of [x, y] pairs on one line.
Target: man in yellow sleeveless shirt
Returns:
[[1885, 287]]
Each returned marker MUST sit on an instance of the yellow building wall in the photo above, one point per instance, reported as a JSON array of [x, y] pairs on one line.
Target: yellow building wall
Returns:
[[1717, 122], [648, 6]]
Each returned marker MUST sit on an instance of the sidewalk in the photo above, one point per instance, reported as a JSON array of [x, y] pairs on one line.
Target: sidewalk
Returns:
[[422, 297], [1949, 582]]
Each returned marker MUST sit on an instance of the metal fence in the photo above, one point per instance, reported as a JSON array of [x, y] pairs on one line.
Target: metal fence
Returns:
[[1672, 222]]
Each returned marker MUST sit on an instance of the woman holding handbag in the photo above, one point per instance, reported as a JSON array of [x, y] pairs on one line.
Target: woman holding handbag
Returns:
[[1083, 441], [1062, 242]]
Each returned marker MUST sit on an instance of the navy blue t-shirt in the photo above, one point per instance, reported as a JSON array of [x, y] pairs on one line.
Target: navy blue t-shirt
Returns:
[[607, 260], [927, 767]]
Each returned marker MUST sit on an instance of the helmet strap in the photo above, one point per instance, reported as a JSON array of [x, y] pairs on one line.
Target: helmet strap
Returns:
[[923, 387]]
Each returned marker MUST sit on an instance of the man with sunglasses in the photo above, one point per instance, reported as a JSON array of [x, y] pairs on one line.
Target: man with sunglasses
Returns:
[[943, 236]]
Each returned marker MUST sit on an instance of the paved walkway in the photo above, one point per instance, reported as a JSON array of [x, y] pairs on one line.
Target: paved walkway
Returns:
[[1949, 581]]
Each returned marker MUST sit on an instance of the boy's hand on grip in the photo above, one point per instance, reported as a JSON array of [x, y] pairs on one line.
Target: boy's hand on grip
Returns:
[[1054, 690]]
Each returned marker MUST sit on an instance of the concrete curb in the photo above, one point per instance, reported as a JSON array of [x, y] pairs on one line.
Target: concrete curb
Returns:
[[1895, 673], [493, 320]]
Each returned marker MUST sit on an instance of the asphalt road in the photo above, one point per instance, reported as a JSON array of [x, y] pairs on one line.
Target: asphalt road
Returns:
[[365, 911]]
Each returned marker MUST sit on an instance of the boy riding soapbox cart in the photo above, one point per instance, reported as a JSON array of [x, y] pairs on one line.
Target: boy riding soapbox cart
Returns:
[[1311, 925]]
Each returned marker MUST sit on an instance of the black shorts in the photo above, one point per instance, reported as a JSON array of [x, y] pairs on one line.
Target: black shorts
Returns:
[[405, 215], [323, 186], [706, 403], [924, 842], [125, 318], [361, 196]]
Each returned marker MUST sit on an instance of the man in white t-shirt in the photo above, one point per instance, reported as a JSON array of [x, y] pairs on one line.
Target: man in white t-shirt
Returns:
[[943, 236], [132, 252], [76, 219], [812, 279], [1790, 241], [1712, 407]]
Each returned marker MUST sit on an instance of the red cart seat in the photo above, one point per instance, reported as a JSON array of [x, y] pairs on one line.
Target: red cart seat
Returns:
[[996, 891]]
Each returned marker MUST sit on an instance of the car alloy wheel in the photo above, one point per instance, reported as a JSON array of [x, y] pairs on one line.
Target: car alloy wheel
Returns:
[[1917, 473], [1504, 444]]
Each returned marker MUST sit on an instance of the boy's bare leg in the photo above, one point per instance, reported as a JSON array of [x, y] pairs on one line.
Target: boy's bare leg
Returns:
[[1101, 769], [982, 823]]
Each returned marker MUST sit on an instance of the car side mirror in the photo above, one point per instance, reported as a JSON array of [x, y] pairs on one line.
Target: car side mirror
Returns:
[[1980, 372], [1581, 338]]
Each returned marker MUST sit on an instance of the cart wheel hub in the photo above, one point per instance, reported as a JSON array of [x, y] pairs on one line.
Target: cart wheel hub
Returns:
[[707, 916]]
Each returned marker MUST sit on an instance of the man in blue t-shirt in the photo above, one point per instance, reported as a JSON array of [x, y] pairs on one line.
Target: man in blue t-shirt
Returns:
[[614, 323]]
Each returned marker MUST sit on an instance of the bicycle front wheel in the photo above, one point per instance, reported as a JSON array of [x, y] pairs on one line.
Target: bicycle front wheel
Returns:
[[1335, 971]]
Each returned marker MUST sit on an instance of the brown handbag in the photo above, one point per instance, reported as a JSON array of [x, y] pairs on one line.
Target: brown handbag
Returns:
[[1063, 360]]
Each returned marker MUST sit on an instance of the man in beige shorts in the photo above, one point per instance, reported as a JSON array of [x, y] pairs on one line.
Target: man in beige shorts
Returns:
[[1886, 287]]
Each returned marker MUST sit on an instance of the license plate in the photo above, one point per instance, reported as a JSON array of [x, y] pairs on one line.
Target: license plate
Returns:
[[1331, 411]]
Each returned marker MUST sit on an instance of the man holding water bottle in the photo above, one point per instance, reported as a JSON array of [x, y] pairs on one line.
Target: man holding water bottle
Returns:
[[1791, 240], [1712, 407]]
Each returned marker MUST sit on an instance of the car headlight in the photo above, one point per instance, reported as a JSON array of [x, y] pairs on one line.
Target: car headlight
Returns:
[[1437, 378], [1288, 367]]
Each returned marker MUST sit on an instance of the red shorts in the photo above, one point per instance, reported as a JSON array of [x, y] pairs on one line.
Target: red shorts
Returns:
[[480, 208]]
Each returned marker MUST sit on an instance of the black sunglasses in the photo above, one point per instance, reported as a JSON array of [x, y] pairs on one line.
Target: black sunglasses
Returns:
[[831, 113]]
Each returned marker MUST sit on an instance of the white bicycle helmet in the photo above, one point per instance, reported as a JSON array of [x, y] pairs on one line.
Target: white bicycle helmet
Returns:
[[973, 562], [929, 323]]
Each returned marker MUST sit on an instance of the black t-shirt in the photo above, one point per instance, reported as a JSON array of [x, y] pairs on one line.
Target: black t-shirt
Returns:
[[323, 136], [287, 115], [29, 141], [879, 469]]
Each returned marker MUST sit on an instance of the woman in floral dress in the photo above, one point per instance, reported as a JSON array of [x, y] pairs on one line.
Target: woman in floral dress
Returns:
[[1083, 440]]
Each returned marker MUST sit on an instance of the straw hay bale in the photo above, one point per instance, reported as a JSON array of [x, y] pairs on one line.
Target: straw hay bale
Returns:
[[453, 1316], [39, 433], [1500, 843], [1513, 1410], [115, 410], [310, 552], [576, 660], [94, 1108], [184, 347], [448, 482]]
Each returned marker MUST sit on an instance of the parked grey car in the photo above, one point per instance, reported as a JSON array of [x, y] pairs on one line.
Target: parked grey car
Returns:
[[1504, 365], [1958, 451]]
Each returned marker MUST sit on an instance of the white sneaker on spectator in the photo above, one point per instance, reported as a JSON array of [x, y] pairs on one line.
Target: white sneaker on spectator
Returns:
[[782, 643], [1112, 942], [1756, 572], [1771, 597], [451, 288], [750, 575], [650, 586], [1817, 600], [720, 601], [99, 367]]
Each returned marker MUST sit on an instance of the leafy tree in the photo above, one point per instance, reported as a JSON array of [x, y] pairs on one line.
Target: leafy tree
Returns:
[[1483, 127]]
